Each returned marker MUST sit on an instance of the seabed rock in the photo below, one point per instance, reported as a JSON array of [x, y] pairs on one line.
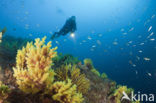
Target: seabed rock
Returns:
[[99, 89]]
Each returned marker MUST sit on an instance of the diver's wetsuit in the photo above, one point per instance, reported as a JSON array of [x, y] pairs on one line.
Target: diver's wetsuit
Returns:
[[69, 27]]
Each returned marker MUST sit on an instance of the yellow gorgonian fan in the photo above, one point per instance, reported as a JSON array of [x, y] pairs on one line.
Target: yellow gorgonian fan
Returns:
[[66, 92], [33, 62]]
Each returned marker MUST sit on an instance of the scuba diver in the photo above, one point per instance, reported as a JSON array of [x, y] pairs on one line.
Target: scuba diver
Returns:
[[69, 27]]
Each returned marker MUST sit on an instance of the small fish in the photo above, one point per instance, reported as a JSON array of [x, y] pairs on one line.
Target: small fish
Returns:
[[134, 65], [136, 72], [131, 29], [150, 35], [149, 29], [122, 29], [141, 43], [140, 51], [153, 16], [124, 33], [149, 74], [93, 46], [130, 42], [100, 35], [89, 38], [98, 42], [152, 39], [138, 58], [147, 59], [115, 43], [130, 62], [57, 42]]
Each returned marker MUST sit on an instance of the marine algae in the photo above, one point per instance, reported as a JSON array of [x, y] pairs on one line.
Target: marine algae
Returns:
[[4, 92], [66, 72]]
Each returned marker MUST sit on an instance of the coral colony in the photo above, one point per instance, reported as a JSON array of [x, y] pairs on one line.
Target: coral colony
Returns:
[[40, 75]]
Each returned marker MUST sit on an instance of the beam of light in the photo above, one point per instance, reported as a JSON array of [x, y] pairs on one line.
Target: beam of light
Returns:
[[72, 35]]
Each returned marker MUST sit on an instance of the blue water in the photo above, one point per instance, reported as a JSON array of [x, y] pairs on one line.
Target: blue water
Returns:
[[113, 33]]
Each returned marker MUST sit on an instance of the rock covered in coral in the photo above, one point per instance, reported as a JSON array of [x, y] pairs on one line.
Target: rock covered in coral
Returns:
[[102, 89], [88, 63], [99, 88], [39, 78]]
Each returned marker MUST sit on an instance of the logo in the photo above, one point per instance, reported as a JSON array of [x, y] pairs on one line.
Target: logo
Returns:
[[138, 97], [125, 96]]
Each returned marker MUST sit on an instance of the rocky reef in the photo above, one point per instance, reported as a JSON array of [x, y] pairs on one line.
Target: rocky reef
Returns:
[[8, 50], [41, 75]]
